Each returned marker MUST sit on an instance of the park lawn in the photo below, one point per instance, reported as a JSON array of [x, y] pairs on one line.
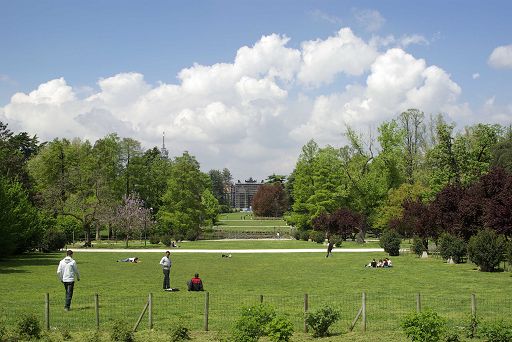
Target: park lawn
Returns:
[[282, 280], [230, 244]]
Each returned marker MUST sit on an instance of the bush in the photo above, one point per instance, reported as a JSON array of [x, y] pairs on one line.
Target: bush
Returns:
[[279, 329], [192, 234], [497, 332], [53, 240], [319, 321], [471, 326], [154, 239], [301, 235], [28, 326], [486, 249], [451, 246], [508, 254], [424, 326], [318, 237], [390, 241], [253, 322], [179, 333], [417, 246], [121, 332], [166, 240]]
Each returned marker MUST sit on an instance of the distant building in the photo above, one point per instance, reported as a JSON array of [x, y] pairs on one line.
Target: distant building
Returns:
[[243, 193]]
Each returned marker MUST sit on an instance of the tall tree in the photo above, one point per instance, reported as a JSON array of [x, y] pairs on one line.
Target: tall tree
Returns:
[[182, 211], [270, 200], [412, 124]]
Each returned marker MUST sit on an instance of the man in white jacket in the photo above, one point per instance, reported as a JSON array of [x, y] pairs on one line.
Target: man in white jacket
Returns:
[[165, 262], [67, 272]]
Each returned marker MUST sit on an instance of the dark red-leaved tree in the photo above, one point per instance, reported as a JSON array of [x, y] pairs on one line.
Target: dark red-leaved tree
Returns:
[[496, 192], [417, 221], [343, 222], [271, 200]]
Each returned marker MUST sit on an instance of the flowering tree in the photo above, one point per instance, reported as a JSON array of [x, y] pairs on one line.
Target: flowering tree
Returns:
[[132, 217]]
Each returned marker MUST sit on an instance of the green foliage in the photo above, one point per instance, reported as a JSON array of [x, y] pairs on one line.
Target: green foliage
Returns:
[[486, 249], [166, 240], [20, 226], [316, 236], [154, 239], [451, 337], [426, 326], [53, 240], [497, 331], [471, 326], [279, 329], [28, 326], [451, 246], [390, 241], [121, 332], [508, 253], [179, 332], [320, 320], [417, 246], [253, 323]]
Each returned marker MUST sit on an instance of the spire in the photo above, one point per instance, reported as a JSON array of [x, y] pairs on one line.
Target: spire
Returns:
[[164, 152]]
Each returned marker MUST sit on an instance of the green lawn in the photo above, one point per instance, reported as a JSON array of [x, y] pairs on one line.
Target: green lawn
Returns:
[[282, 280], [230, 244]]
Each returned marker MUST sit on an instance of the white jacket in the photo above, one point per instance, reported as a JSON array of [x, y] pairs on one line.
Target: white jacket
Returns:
[[67, 270]]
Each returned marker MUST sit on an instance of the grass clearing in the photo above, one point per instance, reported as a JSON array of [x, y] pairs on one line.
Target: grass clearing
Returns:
[[282, 279]]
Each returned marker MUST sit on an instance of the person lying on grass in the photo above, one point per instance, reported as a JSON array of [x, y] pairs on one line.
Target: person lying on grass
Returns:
[[133, 259]]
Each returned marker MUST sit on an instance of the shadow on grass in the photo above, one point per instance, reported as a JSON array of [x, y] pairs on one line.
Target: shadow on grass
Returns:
[[11, 264]]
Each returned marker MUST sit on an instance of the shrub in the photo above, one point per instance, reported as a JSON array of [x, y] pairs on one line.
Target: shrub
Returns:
[[451, 337], [252, 324], [486, 249], [390, 241], [497, 332], [179, 333], [424, 326], [451, 246], [318, 237], [53, 240], [192, 234], [417, 246], [508, 253], [471, 326], [154, 239], [279, 329], [166, 240], [121, 332], [28, 326], [319, 321], [337, 240], [302, 235]]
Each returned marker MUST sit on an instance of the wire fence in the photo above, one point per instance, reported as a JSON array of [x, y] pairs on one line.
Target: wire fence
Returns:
[[206, 311]]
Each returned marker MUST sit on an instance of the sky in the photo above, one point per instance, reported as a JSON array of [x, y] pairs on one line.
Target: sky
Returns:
[[245, 84]]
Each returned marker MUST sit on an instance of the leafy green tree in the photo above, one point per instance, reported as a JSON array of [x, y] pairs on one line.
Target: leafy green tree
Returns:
[[486, 249], [64, 179], [182, 211], [413, 128], [211, 207], [20, 227]]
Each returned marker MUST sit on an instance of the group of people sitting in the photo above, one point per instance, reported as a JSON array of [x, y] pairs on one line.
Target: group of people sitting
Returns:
[[381, 263]]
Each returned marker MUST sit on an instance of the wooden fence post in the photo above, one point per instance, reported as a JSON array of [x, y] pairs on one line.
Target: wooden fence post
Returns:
[[363, 307], [150, 313], [97, 310], [473, 313], [206, 308], [47, 311], [261, 298], [418, 302], [306, 307]]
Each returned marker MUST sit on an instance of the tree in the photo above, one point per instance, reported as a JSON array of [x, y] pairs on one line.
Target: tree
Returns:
[[132, 217], [182, 211], [64, 179], [343, 222], [217, 186], [20, 224], [412, 124], [211, 207], [270, 200]]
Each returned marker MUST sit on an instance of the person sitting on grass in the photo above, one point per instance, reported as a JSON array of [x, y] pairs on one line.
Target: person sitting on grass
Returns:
[[388, 263], [134, 260], [195, 284]]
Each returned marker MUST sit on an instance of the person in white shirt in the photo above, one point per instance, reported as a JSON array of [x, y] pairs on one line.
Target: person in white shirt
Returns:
[[166, 268], [67, 273], [133, 259]]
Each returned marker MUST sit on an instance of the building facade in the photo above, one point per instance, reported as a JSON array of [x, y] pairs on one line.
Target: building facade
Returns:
[[243, 193]]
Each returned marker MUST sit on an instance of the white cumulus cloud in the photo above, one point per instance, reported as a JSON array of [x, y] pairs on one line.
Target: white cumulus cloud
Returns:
[[501, 57]]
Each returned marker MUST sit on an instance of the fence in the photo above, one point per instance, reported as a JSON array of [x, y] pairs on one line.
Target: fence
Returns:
[[205, 311]]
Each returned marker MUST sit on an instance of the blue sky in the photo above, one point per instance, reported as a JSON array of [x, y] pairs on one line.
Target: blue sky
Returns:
[[309, 68]]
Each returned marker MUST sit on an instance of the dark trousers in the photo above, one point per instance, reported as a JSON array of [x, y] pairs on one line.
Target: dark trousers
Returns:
[[167, 281], [69, 293]]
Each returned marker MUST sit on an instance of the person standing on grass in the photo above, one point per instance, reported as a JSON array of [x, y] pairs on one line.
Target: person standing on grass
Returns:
[[330, 246], [166, 268], [67, 272]]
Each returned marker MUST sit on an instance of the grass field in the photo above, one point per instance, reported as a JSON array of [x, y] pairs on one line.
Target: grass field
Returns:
[[282, 279]]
